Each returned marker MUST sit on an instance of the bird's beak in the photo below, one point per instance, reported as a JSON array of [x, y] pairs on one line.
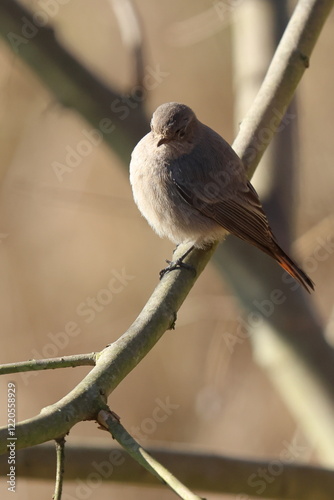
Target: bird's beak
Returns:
[[162, 140]]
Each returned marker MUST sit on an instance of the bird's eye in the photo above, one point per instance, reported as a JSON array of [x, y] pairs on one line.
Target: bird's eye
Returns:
[[181, 132]]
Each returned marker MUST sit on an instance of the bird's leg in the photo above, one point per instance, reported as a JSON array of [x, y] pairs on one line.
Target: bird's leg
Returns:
[[178, 264]]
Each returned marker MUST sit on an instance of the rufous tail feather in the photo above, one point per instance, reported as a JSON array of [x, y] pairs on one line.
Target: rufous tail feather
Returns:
[[290, 267]]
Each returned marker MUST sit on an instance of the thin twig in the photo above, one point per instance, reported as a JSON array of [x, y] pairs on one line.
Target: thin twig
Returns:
[[60, 453], [50, 364]]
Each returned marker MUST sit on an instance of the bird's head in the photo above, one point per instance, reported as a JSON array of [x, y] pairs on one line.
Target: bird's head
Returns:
[[173, 123]]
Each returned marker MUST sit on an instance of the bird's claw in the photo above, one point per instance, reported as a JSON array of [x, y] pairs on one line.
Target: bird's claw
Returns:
[[176, 264]]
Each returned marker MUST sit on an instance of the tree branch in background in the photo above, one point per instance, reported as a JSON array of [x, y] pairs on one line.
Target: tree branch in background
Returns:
[[72, 84], [208, 472], [132, 35]]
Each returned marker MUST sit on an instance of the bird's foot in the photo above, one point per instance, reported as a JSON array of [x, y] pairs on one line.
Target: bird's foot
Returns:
[[176, 264]]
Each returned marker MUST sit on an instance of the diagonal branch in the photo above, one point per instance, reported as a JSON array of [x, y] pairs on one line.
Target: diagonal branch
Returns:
[[287, 67], [288, 334], [113, 363], [145, 459]]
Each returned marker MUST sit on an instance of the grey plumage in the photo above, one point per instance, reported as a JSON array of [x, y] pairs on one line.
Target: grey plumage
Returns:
[[192, 187]]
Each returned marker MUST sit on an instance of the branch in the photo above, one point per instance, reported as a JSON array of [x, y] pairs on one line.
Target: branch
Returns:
[[118, 432], [288, 65], [118, 118], [60, 452], [116, 361], [51, 363], [132, 36], [288, 340], [204, 471]]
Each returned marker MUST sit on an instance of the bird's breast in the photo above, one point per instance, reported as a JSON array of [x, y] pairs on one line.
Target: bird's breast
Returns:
[[152, 186]]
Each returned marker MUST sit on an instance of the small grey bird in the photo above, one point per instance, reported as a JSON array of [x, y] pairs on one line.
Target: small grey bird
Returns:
[[192, 188]]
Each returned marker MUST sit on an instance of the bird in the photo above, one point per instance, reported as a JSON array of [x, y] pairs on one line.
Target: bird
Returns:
[[192, 187]]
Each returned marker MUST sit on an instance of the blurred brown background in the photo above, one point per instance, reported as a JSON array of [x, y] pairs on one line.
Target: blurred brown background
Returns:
[[62, 239]]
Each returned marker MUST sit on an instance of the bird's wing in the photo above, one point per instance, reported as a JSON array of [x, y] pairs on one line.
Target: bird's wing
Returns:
[[213, 181], [234, 204]]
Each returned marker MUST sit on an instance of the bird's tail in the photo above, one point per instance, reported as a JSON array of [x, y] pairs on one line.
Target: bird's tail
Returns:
[[291, 267]]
